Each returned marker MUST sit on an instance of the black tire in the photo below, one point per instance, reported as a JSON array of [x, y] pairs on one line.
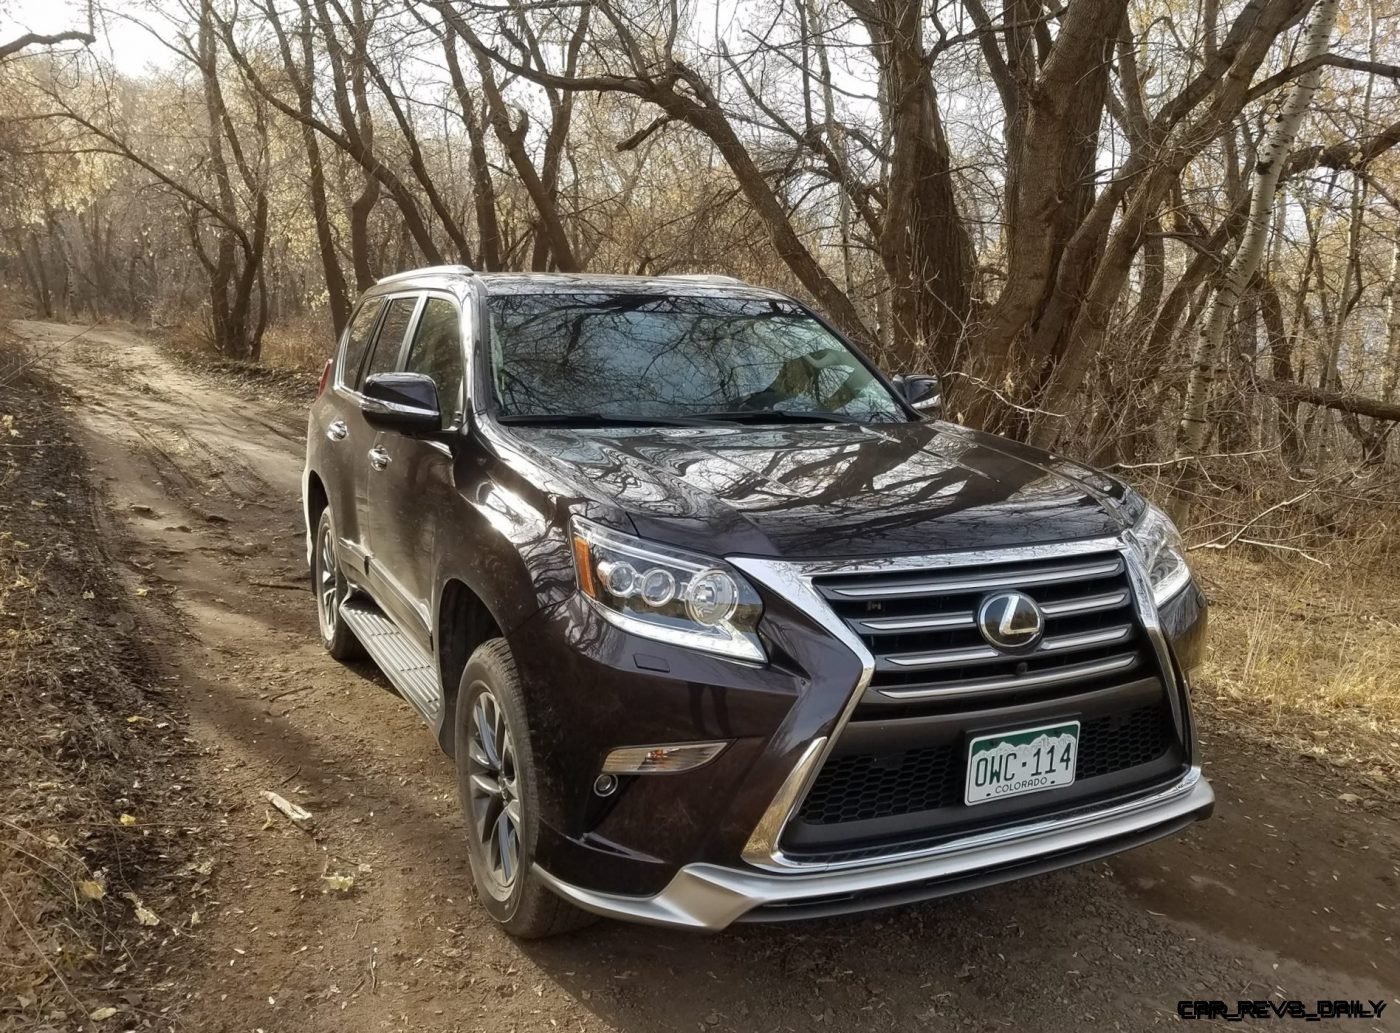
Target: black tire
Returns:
[[329, 584], [490, 697]]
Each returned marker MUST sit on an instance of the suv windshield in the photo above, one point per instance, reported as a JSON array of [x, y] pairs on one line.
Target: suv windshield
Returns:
[[624, 356]]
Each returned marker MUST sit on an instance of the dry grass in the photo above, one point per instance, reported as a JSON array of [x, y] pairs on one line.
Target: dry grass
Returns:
[[293, 355], [301, 344], [1319, 641], [1303, 574], [298, 345], [1307, 655]]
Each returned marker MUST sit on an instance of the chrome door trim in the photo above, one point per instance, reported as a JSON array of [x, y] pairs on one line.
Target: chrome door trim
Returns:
[[338, 430], [793, 580]]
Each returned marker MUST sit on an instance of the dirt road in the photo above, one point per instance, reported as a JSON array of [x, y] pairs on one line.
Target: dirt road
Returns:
[[1288, 893]]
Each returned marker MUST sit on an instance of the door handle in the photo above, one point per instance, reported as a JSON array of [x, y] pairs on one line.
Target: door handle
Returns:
[[378, 458], [337, 430]]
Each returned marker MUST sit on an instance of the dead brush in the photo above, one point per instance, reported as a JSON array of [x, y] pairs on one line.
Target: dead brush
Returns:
[[301, 343], [1304, 579]]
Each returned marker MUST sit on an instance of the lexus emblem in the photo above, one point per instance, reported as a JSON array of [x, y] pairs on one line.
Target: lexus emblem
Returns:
[[1011, 621]]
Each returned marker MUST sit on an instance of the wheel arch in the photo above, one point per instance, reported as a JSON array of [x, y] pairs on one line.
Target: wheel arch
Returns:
[[464, 622], [314, 499]]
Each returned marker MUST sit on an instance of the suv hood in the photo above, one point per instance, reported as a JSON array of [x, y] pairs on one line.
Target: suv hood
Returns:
[[828, 491]]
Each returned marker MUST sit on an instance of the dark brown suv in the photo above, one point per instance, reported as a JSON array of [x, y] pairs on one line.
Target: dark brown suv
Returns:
[[722, 624]]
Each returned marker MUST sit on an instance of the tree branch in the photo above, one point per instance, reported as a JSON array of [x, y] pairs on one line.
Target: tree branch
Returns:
[[35, 39], [1357, 404], [1287, 75]]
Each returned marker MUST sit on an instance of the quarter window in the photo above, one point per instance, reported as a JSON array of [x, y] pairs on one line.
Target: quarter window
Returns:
[[358, 337], [437, 352], [389, 342]]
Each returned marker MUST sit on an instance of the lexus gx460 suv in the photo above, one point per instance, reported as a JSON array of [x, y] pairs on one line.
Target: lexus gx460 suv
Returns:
[[722, 624]]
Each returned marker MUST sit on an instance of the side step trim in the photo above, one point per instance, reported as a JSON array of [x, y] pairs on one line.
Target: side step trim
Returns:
[[408, 667]]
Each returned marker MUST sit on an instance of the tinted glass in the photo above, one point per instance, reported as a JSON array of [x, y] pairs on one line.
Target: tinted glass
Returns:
[[437, 352], [649, 355], [385, 357], [358, 338]]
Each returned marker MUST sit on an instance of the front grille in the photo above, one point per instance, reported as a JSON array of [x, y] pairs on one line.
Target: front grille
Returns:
[[894, 780], [863, 786], [921, 627]]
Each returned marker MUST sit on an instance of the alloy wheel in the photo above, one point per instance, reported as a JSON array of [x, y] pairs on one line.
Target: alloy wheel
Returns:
[[494, 792], [327, 582]]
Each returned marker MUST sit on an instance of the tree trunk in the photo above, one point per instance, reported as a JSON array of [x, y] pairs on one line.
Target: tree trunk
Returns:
[[488, 226], [337, 291], [1195, 427], [1392, 328], [924, 246], [1281, 360]]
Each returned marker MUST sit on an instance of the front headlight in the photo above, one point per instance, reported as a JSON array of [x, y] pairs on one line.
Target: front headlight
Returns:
[[667, 594], [1163, 553]]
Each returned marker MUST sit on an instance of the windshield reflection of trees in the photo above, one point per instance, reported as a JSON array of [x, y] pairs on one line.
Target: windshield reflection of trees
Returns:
[[649, 355]]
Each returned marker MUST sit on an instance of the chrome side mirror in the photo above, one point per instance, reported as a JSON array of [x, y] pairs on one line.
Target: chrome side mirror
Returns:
[[405, 402], [922, 391]]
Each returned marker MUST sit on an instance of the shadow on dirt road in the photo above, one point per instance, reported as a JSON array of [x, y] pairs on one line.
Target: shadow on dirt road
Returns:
[[1287, 893]]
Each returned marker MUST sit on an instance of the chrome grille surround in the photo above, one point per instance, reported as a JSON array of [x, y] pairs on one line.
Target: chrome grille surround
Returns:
[[922, 627], [795, 581]]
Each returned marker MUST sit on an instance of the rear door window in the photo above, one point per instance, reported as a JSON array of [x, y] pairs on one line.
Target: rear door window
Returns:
[[388, 343], [357, 338], [436, 352]]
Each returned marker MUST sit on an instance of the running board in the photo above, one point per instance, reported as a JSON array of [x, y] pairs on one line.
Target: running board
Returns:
[[409, 668]]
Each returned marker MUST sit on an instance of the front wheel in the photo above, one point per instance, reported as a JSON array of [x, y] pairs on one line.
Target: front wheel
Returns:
[[497, 787], [331, 587]]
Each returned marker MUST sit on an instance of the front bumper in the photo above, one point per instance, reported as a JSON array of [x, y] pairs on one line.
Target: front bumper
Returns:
[[710, 897], [707, 848]]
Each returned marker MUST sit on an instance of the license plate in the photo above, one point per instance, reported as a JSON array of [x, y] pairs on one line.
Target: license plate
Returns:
[[1016, 763]]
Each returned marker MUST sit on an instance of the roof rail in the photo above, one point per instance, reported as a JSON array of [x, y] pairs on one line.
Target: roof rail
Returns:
[[702, 277], [440, 270]]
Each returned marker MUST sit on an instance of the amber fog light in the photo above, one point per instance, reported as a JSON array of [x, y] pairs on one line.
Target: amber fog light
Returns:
[[661, 760]]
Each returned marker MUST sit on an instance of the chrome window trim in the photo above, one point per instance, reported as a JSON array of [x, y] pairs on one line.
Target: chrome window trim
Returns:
[[794, 581], [467, 320], [464, 330], [339, 384]]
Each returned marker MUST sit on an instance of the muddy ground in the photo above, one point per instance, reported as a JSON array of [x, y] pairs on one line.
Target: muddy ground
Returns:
[[1291, 891]]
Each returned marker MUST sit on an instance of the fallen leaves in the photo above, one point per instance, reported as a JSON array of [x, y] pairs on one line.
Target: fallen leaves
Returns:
[[339, 883], [144, 915]]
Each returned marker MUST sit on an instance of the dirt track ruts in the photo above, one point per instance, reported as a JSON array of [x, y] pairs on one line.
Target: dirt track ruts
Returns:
[[1287, 892]]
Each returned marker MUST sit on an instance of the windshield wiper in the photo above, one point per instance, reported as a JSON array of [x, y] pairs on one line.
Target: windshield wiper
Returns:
[[777, 416], [596, 419]]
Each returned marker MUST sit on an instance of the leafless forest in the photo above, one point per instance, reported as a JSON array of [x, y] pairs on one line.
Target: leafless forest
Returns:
[[1155, 235], [1130, 230]]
